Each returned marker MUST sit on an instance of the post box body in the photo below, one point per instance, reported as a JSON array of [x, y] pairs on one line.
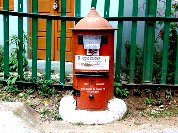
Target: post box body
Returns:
[[93, 67]]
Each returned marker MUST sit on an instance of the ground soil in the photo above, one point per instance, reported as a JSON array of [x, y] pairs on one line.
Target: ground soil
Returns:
[[140, 114], [140, 117]]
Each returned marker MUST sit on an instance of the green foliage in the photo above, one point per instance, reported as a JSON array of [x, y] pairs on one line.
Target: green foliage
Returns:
[[78, 123], [157, 59], [157, 63], [148, 101], [30, 103], [7, 98], [120, 91], [168, 94], [157, 55], [52, 113], [29, 91], [172, 46], [26, 93], [1, 58], [158, 101], [13, 60], [11, 86], [153, 101], [139, 62], [45, 87], [173, 111], [55, 114]]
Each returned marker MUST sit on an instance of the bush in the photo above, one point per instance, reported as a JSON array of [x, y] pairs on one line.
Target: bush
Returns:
[[1, 58], [157, 59], [139, 63], [157, 55], [13, 60]]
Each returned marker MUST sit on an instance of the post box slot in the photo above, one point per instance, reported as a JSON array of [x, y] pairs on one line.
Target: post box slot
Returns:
[[104, 39], [92, 73], [80, 39]]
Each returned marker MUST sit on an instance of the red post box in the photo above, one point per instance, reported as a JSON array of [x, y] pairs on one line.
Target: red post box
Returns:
[[93, 62]]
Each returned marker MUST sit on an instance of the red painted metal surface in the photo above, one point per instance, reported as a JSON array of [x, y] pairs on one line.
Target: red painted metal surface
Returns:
[[93, 21], [95, 85]]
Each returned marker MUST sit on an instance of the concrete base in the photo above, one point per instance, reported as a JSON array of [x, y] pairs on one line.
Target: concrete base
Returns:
[[116, 111], [16, 117]]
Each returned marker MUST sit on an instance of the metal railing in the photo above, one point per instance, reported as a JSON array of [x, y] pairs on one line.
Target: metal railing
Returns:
[[150, 20]]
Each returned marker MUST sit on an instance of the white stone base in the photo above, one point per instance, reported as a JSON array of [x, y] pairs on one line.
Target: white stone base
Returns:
[[116, 110]]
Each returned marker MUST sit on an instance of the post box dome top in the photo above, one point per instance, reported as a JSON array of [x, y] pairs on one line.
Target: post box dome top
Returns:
[[93, 21]]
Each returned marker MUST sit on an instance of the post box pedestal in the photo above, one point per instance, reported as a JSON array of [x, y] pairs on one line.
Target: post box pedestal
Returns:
[[115, 111]]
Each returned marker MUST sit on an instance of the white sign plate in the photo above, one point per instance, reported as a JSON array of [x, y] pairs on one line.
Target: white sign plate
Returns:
[[91, 42], [83, 62]]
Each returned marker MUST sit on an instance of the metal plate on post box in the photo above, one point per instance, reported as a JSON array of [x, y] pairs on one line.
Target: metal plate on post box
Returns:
[[91, 62], [92, 42]]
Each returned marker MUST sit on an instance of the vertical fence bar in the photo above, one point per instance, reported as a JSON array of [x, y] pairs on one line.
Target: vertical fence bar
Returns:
[[48, 48], [149, 42], [176, 72], [133, 42], [34, 38], [77, 8], [106, 8], [119, 42], [145, 38], [6, 38], [165, 43], [63, 42], [20, 44], [94, 3]]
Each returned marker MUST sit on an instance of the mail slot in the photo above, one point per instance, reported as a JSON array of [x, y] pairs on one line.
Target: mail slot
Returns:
[[93, 62]]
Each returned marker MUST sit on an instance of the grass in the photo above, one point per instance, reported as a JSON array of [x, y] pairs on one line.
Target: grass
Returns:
[[48, 111], [47, 107], [170, 112]]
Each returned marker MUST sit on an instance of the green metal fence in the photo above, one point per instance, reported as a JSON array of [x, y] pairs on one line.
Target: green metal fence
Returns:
[[150, 20]]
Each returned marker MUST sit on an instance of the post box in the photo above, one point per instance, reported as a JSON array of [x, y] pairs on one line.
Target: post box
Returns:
[[93, 62]]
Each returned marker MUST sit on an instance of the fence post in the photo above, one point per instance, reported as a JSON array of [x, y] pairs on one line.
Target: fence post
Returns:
[[6, 39], [94, 3], [106, 8], [34, 38], [165, 42], [77, 9], [119, 42], [176, 72], [48, 48], [133, 42], [149, 41], [63, 42], [20, 43]]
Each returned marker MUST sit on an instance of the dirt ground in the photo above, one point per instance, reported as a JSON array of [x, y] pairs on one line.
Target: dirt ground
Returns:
[[140, 118], [157, 113], [127, 125]]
